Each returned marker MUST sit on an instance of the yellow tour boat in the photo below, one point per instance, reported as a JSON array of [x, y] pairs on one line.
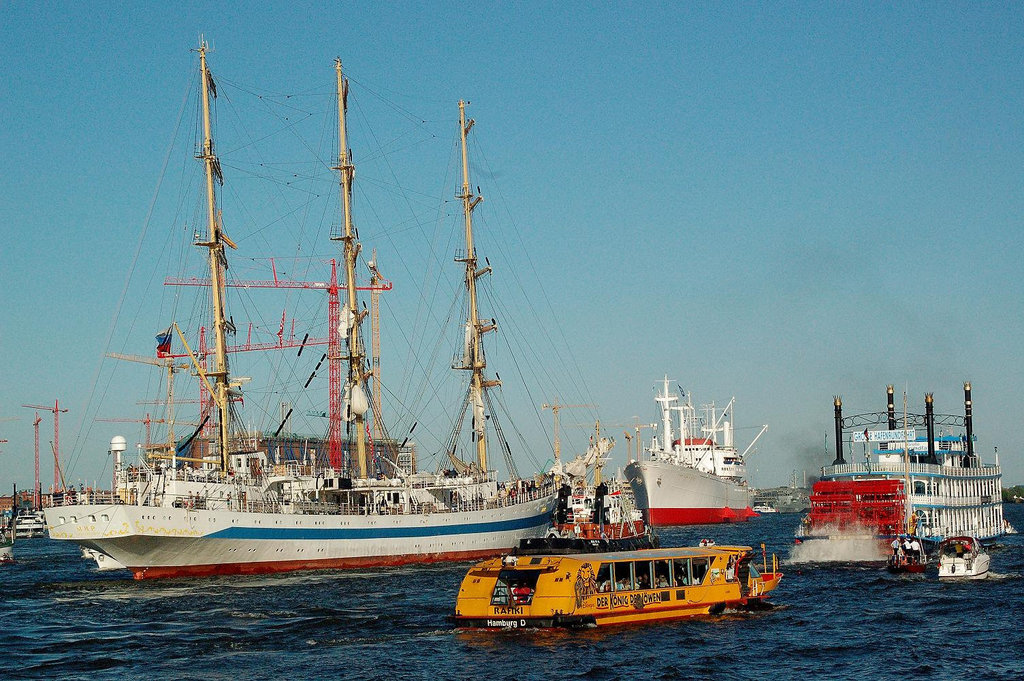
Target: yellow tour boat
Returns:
[[621, 587]]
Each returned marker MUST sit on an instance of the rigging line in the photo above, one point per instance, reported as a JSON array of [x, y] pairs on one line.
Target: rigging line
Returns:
[[69, 465], [526, 388], [428, 293], [434, 361], [510, 462], [254, 144], [422, 122], [540, 281], [262, 93]]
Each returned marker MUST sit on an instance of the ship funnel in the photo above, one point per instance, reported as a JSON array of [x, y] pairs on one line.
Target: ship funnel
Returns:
[[890, 406], [969, 424], [839, 432], [929, 418]]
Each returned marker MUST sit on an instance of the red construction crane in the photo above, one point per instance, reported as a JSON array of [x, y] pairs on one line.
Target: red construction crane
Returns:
[[56, 441], [333, 341]]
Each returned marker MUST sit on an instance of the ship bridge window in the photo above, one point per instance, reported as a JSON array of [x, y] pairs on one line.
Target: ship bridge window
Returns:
[[604, 577], [662, 574], [699, 569], [681, 571], [515, 587]]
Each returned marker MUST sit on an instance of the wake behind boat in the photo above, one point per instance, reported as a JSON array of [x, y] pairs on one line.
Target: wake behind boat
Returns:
[[693, 474], [226, 506]]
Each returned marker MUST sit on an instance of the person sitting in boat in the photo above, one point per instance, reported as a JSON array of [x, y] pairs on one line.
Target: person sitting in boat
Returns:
[[522, 594]]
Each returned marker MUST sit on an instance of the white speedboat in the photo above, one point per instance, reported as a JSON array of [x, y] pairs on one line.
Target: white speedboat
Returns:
[[962, 558]]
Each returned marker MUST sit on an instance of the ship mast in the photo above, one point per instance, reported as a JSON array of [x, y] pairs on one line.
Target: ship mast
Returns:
[[218, 264], [475, 330], [356, 404]]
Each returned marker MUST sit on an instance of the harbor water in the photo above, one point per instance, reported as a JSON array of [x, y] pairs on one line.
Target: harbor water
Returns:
[[64, 620]]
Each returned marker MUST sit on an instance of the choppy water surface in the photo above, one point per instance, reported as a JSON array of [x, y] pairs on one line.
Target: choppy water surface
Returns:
[[62, 619]]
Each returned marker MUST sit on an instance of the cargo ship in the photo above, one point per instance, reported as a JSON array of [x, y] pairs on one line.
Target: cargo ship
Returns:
[[931, 485], [694, 473]]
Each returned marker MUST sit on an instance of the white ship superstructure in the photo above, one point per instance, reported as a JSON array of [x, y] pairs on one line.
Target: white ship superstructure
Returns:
[[692, 472]]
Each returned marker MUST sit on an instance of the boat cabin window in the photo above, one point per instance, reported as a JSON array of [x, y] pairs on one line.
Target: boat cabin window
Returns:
[[698, 570], [681, 571], [642, 573], [604, 577], [662, 574], [515, 587], [623, 575]]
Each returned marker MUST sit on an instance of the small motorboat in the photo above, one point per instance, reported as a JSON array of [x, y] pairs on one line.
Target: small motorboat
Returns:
[[962, 558], [908, 555]]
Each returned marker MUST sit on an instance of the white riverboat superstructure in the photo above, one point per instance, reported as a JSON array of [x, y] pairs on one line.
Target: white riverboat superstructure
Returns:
[[932, 485], [233, 509], [694, 473]]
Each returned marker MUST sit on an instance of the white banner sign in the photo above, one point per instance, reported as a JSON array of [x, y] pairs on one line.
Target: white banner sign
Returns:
[[885, 435]]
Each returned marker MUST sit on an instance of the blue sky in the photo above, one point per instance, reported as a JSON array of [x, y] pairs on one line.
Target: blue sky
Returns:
[[781, 202]]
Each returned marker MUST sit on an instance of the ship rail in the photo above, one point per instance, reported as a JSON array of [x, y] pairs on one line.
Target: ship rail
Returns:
[[509, 495], [983, 471], [71, 497]]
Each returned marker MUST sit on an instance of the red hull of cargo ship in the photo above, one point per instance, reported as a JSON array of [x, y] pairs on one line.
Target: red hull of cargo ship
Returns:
[[699, 516]]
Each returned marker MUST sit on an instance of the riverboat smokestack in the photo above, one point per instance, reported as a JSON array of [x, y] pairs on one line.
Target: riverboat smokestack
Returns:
[[969, 424], [839, 432], [890, 407], [929, 419]]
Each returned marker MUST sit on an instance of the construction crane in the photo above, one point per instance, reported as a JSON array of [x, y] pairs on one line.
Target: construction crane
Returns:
[[169, 364], [555, 407], [636, 427], [148, 421], [334, 388], [57, 411]]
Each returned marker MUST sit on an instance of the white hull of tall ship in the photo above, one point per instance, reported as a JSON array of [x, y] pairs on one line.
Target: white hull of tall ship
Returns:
[[158, 541], [670, 494]]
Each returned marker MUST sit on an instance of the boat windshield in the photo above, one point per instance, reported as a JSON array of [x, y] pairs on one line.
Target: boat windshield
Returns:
[[515, 587]]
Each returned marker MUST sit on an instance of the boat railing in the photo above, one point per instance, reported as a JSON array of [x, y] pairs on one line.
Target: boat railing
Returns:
[[874, 468], [945, 500], [72, 497]]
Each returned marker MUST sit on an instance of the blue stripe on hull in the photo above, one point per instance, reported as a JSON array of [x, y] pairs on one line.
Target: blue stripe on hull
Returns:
[[316, 533]]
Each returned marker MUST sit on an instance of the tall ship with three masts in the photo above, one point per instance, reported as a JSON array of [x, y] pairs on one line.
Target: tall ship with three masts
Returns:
[[694, 473], [230, 509]]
